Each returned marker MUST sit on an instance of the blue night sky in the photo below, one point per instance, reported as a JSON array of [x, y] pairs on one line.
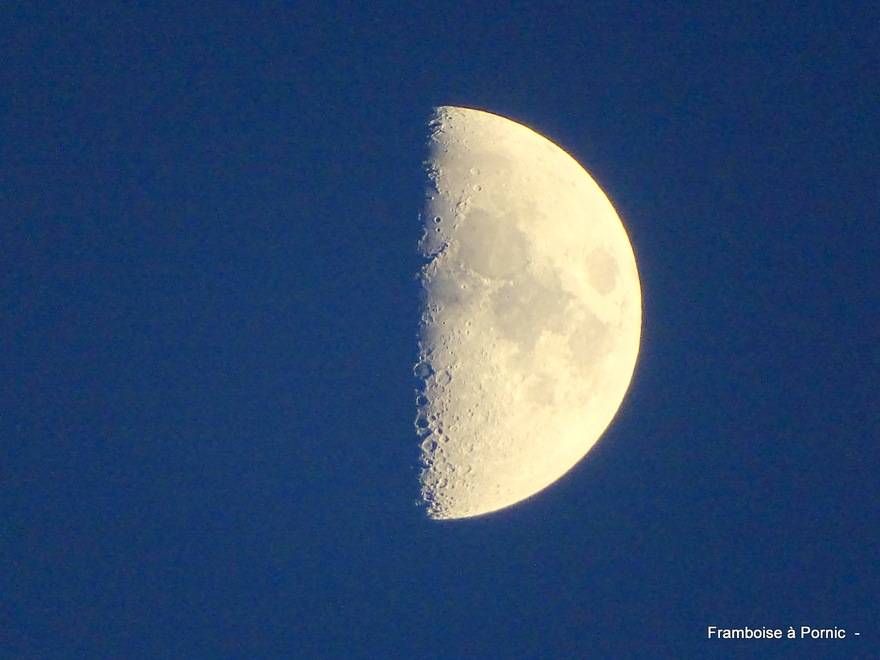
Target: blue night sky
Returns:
[[209, 313]]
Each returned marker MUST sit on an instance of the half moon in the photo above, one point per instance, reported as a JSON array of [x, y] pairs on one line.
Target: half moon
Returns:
[[531, 315]]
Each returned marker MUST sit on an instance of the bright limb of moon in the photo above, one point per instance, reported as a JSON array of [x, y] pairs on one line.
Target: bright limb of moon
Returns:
[[531, 316]]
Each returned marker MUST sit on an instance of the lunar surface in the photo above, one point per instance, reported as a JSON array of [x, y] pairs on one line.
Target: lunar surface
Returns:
[[531, 314]]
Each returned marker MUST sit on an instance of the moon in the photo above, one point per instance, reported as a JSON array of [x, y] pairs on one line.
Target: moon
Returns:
[[531, 314]]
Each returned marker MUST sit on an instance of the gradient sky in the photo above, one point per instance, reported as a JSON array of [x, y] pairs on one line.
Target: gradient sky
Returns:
[[209, 226]]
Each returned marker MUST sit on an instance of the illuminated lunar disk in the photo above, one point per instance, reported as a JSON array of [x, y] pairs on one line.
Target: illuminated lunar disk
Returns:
[[531, 315]]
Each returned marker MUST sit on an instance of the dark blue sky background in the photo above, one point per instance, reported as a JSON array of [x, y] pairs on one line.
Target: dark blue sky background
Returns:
[[208, 227]]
